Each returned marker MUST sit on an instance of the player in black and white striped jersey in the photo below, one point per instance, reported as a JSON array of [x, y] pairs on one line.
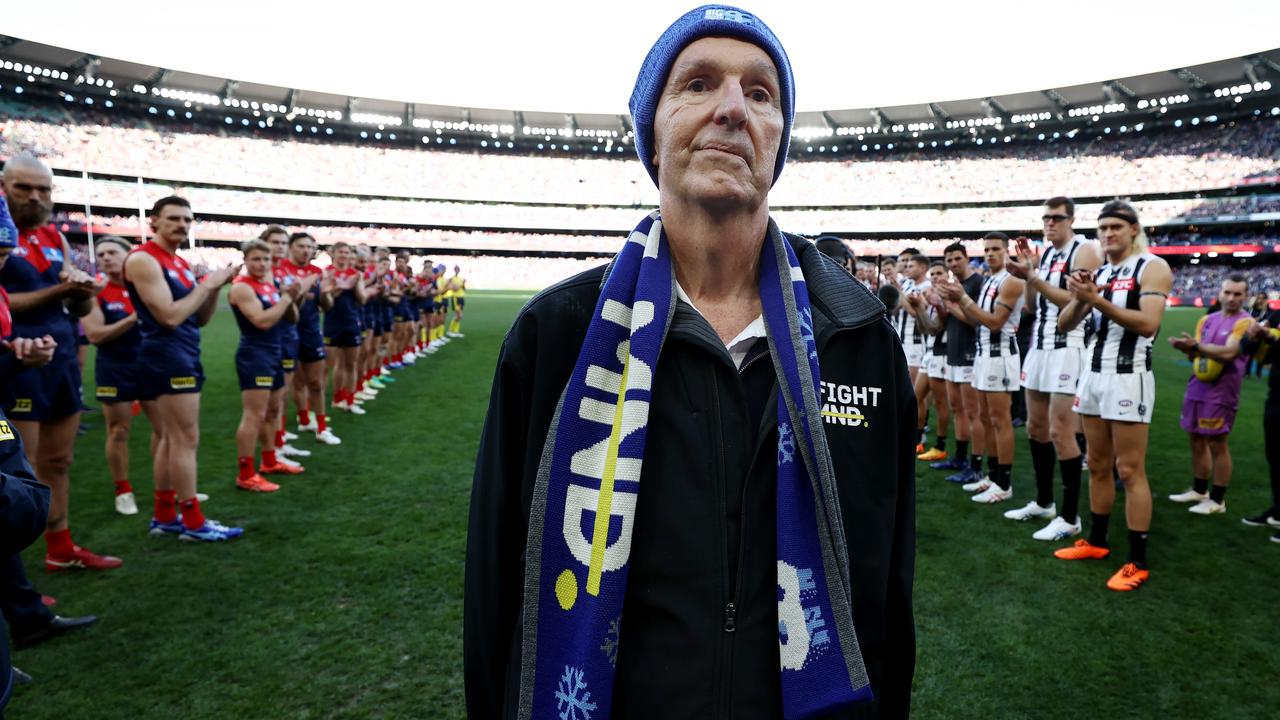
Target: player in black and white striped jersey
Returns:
[[929, 310], [1052, 368], [997, 365], [1116, 396]]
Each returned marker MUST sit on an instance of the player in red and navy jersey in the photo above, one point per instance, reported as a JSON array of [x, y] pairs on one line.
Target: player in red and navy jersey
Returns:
[[172, 306], [43, 404], [344, 330], [284, 274], [112, 325], [309, 380], [259, 308]]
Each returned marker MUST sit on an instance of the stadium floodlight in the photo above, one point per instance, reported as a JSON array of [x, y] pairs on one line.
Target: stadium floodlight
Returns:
[[108, 103]]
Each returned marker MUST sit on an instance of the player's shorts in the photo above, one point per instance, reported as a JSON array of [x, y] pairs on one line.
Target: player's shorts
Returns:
[[160, 373], [116, 381], [962, 374], [1054, 370], [1207, 418], [344, 338], [996, 374], [462, 302], [444, 305], [404, 311], [258, 370], [1126, 397], [43, 394], [914, 353], [289, 353], [936, 366], [429, 305], [313, 350]]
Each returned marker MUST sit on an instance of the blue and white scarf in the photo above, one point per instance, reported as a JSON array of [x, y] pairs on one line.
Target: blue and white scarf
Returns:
[[589, 478]]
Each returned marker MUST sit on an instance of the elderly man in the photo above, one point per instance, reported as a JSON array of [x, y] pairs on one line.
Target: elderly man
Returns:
[[694, 494], [46, 293]]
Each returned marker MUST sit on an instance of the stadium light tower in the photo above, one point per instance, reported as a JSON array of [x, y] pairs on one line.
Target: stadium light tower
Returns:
[[1195, 84], [1118, 92], [994, 110], [1060, 104]]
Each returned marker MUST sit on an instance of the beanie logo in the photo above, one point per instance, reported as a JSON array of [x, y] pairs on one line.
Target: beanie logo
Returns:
[[728, 14]]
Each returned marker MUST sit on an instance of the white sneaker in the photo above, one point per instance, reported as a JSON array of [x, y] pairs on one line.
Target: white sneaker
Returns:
[[364, 395], [126, 504], [409, 359], [356, 410], [1033, 510], [383, 371], [454, 335], [993, 495], [328, 438], [1208, 507], [202, 497], [291, 451], [285, 461], [289, 436], [1057, 529], [432, 349], [309, 427], [977, 485], [1190, 496]]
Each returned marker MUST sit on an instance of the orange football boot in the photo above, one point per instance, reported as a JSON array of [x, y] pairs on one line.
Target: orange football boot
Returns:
[[1128, 577], [1082, 550]]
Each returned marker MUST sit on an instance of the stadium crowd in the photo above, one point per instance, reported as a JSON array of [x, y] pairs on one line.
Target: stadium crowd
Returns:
[[1211, 155]]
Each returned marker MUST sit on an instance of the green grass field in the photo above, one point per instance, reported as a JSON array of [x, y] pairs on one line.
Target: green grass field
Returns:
[[344, 598]]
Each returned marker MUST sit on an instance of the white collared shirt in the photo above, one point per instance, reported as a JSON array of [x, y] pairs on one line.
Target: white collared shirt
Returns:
[[740, 345]]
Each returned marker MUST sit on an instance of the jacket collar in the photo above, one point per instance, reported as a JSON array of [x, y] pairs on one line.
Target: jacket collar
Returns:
[[838, 300]]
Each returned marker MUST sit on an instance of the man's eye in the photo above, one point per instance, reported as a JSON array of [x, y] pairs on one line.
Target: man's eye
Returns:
[[760, 96], [698, 85]]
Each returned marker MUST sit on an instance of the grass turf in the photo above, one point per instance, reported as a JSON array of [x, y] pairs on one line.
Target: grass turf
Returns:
[[344, 598]]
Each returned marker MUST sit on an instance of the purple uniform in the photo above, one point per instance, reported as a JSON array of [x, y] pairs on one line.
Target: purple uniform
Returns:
[[1213, 391]]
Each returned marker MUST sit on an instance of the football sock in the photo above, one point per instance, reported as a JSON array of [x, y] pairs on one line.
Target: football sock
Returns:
[[941, 443], [1200, 486], [123, 486], [59, 542], [1098, 529], [166, 508], [1042, 457], [192, 517], [304, 417], [246, 467], [1138, 548], [993, 467], [962, 449], [1217, 493], [1004, 476], [1071, 471], [321, 422], [269, 458]]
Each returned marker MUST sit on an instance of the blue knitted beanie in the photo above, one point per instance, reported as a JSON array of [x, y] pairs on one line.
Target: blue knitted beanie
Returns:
[[706, 21]]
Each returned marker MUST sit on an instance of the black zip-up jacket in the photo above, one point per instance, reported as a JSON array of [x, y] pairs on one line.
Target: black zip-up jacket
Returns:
[[699, 635]]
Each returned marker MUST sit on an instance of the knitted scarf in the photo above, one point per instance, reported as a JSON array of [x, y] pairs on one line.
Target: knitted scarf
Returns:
[[588, 482]]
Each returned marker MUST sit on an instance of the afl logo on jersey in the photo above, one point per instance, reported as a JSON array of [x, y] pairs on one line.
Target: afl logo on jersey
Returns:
[[1126, 403]]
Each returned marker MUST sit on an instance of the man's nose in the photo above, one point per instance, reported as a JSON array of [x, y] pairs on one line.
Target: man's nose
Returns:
[[731, 108]]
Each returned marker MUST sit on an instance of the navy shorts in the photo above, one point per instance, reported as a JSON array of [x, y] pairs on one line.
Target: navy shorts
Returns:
[[258, 370], [388, 317], [289, 353], [116, 381], [43, 394], [462, 302], [344, 338], [164, 374], [429, 305], [311, 349]]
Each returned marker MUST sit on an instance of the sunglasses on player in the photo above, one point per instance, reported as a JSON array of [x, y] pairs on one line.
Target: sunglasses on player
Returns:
[[1056, 217]]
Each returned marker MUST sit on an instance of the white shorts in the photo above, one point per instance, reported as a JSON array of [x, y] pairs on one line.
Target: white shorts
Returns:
[[915, 354], [996, 374], [1128, 397], [936, 366], [1053, 371], [962, 374]]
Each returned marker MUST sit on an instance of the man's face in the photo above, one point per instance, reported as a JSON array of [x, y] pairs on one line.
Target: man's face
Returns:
[[1232, 296], [29, 192], [718, 125], [1116, 234], [402, 265], [995, 253], [1058, 224], [173, 223], [937, 274], [903, 261], [258, 263], [957, 263], [384, 265], [888, 268], [917, 269], [110, 257], [279, 243], [302, 250], [342, 256]]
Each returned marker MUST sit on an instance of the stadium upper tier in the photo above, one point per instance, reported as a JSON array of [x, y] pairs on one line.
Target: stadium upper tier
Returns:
[[335, 209], [1129, 163]]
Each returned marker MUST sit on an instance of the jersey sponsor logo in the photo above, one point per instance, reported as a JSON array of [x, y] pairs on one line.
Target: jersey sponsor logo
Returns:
[[19, 251], [845, 404], [53, 254], [6, 432], [1210, 423], [106, 391], [22, 405], [1059, 266], [1123, 284], [182, 383], [117, 306], [264, 381], [287, 363]]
